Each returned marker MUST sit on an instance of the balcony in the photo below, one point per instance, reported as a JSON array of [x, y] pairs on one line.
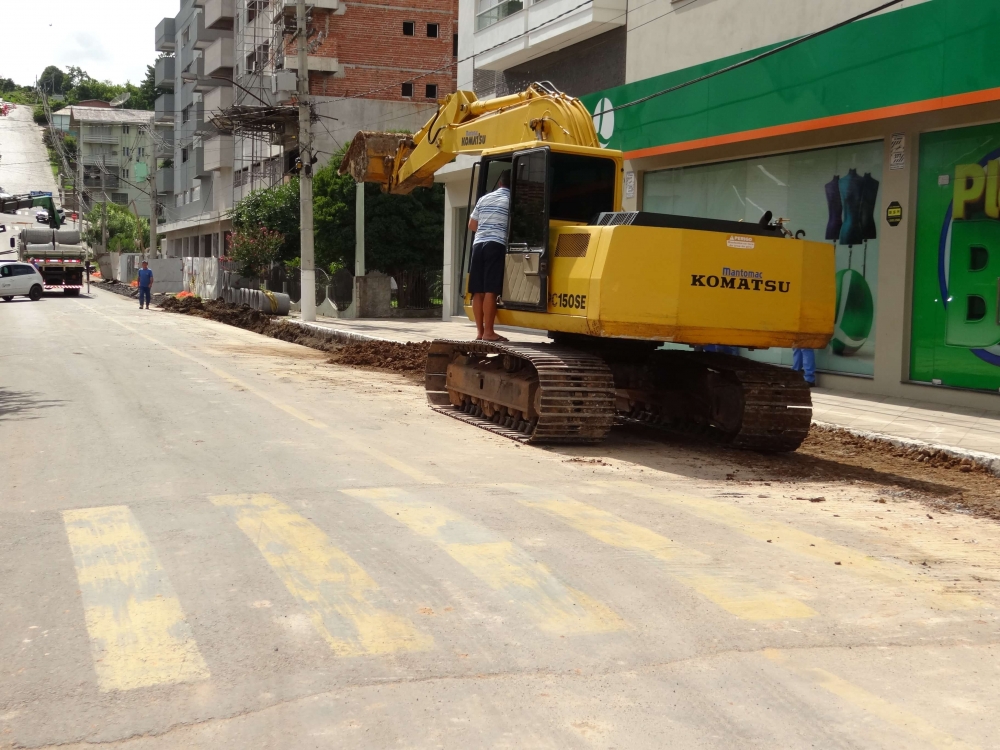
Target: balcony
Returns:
[[219, 58], [165, 72], [96, 160], [218, 153], [166, 35], [219, 14], [99, 135], [204, 37], [164, 110], [198, 159], [164, 144], [217, 100], [111, 182], [165, 180], [316, 63], [512, 32]]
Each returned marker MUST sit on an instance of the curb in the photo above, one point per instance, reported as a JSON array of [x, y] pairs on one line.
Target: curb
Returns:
[[336, 334], [987, 461]]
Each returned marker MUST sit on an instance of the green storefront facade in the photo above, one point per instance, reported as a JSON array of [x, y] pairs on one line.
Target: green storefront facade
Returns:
[[867, 137]]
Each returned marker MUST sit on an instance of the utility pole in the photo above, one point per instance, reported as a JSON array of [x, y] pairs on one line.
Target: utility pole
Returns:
[[308, 262], [104, 213], [154, 221]]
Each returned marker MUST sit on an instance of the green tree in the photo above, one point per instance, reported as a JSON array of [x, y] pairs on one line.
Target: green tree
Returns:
[[276, 209], [53, 80], [123, 229], [255, 249], [402, 232]]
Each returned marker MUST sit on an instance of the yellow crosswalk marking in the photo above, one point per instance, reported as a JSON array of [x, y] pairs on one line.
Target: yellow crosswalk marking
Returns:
[[337, 594], [858, 697], [554, 606], [688, 566], [786, 537], [138, 635]]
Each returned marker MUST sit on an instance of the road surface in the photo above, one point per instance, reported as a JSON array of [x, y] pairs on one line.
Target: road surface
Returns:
[[24, 165], [213, 539]]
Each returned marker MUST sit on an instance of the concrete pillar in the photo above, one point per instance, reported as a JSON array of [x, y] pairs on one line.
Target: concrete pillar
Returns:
[[895, 269], [450, 249], [359, 230]]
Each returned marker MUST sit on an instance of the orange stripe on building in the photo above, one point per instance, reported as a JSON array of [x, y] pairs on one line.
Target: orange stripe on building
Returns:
[[803, 126]]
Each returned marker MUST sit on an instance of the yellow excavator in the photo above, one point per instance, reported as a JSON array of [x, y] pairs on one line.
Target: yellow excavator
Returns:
[[611, 288]]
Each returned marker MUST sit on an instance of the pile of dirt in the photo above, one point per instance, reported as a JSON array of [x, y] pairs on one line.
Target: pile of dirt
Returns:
[[258, 322], [385, 355]]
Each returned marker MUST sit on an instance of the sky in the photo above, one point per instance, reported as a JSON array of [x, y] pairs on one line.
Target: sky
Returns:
[[110, 39]]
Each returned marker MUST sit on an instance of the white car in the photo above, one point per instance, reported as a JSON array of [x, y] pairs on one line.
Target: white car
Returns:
[[20, 280], [42, 216]]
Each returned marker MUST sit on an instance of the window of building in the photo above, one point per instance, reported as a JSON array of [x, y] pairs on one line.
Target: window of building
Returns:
[[431, 91], [454, 45], [141, 152], [125, 173], [184, 155], [125, 130], [407, 89], [186, 113], [409, 28], [254, 7], [493, 11], [126, 151], [432, 30], [186, 35], [120, 198]]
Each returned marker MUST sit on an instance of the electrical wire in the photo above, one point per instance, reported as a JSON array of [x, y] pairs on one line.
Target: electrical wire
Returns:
[[756, 58]]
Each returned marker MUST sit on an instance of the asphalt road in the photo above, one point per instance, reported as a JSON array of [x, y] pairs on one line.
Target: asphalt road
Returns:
[[24, 161], [213, 539]]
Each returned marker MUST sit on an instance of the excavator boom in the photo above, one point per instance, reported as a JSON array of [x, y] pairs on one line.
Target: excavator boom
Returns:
[[464, 124]]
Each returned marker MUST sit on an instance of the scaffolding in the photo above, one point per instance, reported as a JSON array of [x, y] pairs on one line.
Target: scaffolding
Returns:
[[260, 127]]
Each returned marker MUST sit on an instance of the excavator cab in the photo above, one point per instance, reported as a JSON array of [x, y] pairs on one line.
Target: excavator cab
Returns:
[[552, 186]]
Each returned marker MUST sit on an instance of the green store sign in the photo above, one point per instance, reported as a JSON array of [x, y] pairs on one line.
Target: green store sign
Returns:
[[934, 52]]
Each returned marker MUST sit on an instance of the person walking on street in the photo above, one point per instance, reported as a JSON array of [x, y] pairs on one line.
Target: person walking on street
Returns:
[[804, 361], [145, 284], [489, 249]]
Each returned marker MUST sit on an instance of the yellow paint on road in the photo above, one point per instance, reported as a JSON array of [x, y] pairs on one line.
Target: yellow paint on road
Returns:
[[688, 566], [784, 536], [138, 635], [339, 597], [356, 446], [554, 606], [913, 725]]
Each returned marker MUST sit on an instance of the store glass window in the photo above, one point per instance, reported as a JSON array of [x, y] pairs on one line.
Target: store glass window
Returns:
[[955, 331], [827, 195]]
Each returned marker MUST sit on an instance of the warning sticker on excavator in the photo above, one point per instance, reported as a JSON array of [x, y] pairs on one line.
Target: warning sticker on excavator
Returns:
[[741, 242]]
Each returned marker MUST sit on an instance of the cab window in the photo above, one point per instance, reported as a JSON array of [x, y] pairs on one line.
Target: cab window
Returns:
[[582, 187], [5, 272]]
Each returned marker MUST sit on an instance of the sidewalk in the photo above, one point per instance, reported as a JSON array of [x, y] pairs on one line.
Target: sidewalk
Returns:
[[946, 427]]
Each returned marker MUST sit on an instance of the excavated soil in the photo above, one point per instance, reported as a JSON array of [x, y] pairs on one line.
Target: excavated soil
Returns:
[[944, 482], [385, 355]]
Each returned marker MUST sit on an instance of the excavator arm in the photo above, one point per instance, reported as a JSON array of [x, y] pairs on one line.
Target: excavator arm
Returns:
[[464, 124]]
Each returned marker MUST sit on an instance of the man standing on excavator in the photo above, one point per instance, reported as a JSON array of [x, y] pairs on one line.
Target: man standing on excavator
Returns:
[[489, 249]]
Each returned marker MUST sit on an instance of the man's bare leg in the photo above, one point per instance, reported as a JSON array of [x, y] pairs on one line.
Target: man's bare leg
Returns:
[[489, 317], [477, 313]]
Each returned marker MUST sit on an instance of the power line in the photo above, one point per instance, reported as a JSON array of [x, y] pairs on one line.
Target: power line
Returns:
[[756, 58]]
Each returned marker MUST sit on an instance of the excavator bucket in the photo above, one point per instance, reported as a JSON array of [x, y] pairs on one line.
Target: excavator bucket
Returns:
[[372, 156]]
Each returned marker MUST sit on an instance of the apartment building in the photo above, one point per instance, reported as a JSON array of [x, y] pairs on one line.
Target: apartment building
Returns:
[[877, 137], [234, 63], [195, 69], [117, 149]]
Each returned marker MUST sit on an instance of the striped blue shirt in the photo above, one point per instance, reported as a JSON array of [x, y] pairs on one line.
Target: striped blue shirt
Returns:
[[492, 212]]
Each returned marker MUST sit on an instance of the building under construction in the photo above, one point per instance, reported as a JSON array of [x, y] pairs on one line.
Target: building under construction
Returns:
[[231, 68]]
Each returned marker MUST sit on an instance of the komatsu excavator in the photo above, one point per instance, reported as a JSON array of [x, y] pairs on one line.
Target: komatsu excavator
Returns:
[[611, 288]]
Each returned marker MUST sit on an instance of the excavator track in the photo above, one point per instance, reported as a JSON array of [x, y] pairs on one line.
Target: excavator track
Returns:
[[534, 393], [730, 400]]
